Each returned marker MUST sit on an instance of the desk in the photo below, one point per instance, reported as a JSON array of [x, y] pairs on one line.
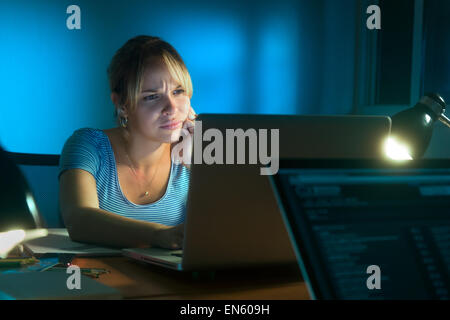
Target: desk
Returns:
[[136, 280]]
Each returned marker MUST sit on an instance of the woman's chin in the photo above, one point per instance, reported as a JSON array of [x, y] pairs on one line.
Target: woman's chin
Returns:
[[172, 137]]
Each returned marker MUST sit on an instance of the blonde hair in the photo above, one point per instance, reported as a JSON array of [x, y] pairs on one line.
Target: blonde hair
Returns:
[[127, 67]]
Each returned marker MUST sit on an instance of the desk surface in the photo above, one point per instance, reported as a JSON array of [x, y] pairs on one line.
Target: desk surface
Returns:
[[136, 280]]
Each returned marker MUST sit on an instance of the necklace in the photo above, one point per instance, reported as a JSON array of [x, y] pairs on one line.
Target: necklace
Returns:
[[137, 179]]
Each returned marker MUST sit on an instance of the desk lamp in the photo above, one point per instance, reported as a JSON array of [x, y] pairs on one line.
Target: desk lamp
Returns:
[[412, 128], [20, 219]]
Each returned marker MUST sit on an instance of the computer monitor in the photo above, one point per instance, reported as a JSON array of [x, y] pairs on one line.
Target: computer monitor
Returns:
[[368, 229]]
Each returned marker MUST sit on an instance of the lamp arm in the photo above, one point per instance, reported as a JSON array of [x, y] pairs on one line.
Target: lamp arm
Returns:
[[444, 120]]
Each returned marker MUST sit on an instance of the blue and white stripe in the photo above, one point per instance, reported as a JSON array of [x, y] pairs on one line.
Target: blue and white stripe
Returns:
[[90, 149]]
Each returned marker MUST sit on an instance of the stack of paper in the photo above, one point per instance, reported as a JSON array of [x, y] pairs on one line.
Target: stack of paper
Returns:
[[58, 241]]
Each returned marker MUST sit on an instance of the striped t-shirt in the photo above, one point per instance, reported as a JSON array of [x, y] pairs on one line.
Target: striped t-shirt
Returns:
[[90, 150]]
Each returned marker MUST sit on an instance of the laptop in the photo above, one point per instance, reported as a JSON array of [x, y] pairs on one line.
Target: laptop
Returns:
[[368, 229], [232, 217]]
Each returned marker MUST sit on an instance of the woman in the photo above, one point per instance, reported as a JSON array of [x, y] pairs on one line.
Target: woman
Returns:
[[119, 187]]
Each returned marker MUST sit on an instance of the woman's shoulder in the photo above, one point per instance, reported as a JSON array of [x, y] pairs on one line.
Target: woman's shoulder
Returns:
[[84, 149], [86, 139], [87, 132], [88, 135]]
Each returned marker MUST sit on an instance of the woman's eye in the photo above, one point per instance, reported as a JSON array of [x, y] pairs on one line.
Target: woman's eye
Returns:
[[150, 97], [154, 96]]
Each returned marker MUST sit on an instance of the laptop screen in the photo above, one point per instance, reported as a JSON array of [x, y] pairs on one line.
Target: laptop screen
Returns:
[[369, 229]]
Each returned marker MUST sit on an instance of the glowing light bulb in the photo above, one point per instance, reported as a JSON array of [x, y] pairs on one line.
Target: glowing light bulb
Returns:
[[396, 150]]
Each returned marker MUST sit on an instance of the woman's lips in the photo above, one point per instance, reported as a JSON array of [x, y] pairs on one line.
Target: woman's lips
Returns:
[[172, 125]]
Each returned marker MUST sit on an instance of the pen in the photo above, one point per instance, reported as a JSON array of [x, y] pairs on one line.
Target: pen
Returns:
[[94, 270], [17, 262], [91, 272]]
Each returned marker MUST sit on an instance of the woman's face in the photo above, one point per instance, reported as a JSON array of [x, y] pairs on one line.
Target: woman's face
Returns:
[[162, 106]]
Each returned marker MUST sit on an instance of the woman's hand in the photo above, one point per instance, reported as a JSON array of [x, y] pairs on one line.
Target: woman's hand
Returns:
[[183, 149], [189, 123], [170, 237]]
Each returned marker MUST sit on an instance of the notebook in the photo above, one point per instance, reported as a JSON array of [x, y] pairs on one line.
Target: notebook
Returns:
[[232, 218]]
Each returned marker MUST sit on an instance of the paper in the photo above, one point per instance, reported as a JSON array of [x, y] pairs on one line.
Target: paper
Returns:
[[10, 239], [58, 241]]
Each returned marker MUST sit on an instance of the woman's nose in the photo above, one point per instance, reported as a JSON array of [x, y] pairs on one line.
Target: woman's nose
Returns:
[[170, 106]]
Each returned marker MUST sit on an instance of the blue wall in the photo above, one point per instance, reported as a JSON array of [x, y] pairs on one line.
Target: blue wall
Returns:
[[276, 57], [288, 57]]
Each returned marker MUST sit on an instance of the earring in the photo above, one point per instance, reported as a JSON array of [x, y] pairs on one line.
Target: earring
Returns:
[[124, 121]]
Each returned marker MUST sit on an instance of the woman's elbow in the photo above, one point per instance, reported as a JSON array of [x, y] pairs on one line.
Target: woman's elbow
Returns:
[[72, 222]]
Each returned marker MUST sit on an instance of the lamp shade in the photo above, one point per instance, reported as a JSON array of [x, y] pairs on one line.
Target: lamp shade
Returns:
[[414, 127], [18, 207]]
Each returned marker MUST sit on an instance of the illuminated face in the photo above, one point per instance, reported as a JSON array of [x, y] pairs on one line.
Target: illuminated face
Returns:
[[162, 106]]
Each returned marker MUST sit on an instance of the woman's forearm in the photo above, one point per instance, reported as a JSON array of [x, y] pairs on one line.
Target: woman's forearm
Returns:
[[97, 226]]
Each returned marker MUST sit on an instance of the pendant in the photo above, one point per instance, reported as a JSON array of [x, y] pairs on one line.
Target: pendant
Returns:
[[146, 193]]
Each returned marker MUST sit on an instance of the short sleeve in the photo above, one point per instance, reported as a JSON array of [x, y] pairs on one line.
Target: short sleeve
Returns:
[[81, 152]]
